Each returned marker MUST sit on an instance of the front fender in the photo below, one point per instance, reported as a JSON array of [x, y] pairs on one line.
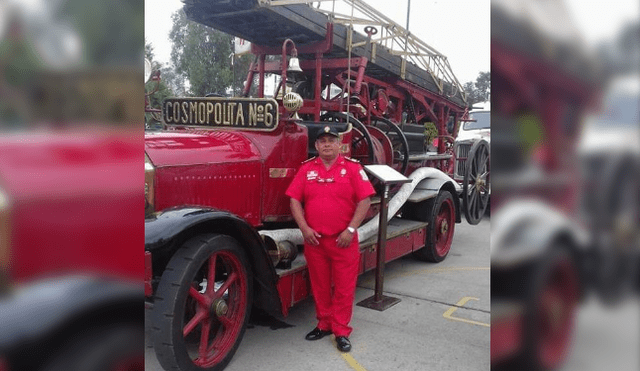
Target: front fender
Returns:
[[430, 187], [167, 231], [50, 307], [522, 231]]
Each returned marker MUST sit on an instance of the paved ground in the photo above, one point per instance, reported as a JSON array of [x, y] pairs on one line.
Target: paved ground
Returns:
[[441, 322], [606, 337]]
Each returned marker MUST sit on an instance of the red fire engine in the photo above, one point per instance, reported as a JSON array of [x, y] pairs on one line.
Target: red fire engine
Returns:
[[69, 282], [219, 235], [547, 245]]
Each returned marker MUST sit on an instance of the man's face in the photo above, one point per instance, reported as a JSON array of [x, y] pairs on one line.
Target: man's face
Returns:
[[328, 147]]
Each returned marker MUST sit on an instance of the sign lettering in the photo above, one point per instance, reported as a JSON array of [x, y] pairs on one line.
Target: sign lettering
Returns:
[[237, 113]]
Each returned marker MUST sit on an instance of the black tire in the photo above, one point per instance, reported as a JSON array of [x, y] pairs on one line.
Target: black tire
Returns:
[[616, 253], [476, 182], [213, 315], [440, 213], [552, 296], [111, 347]]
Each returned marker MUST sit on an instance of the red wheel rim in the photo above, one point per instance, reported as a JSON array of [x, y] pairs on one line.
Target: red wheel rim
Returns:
[[556, 309], [445, 223], [217, 310]]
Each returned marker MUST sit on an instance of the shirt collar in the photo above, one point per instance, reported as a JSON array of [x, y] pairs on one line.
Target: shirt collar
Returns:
[[339, 161]]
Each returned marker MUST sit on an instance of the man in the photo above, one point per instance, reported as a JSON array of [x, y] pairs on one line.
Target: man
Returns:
[[329, 199]]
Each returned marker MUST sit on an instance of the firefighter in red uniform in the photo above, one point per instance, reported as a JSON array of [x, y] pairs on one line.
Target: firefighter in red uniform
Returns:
[[329, 199]]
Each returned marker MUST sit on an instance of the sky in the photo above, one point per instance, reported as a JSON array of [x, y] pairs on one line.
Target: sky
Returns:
[[459, 29], [601, 20]]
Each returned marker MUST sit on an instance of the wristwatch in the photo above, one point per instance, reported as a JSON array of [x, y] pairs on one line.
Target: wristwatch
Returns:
[[351, 230]]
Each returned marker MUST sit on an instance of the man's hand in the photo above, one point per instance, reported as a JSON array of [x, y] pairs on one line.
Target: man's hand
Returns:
[[310, 236], [344, 239]]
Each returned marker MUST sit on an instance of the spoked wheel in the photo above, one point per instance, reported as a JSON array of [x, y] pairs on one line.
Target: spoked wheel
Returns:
[[440, 213], [202, 304], [476, 183], [617, 229], [360, 141], [552, 307], [399, 144]]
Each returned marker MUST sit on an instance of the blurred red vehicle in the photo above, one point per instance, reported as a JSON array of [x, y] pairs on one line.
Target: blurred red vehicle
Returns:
[[70, 226], [545, 246]]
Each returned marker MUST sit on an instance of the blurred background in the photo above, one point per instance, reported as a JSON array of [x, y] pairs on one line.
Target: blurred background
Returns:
[[71, 184], [565, 239]]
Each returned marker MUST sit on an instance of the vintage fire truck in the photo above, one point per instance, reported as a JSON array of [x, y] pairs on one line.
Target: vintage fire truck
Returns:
[[473, 142], [547, 245], [71, 291], [219, 235]]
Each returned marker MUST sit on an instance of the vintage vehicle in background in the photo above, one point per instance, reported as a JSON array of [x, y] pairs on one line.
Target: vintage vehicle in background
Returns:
[[546, 251], [219, 235], [474, 141], [610, 150], [71, 282]]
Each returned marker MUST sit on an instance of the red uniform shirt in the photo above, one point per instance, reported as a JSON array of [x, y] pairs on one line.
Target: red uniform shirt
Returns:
[[330, 197]]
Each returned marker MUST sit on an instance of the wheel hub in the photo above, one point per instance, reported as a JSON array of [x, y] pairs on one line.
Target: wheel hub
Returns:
[[444, 227], [480, 183], [219, 308]]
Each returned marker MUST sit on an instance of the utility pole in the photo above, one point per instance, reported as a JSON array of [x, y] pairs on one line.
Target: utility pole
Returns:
[[408, 12]]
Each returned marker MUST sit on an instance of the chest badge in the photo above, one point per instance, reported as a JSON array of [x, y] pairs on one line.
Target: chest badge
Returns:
[[343, 172], [312, 175]]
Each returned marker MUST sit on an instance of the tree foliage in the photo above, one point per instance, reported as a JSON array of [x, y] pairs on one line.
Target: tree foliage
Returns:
[[111, 31], [158, 91], [203, 57], [479, 91]]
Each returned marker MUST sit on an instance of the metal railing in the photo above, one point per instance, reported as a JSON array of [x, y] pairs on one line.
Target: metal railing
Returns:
[[397, 39]]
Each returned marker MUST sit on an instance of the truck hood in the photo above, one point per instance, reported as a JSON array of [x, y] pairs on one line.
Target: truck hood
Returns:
[[464, 135], [199, 147], [607, 139], [55, 165]]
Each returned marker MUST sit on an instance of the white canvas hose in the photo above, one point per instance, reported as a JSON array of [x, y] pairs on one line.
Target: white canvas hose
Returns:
[[370, 228]]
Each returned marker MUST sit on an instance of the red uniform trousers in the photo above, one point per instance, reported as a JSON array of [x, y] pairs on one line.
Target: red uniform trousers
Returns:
[[330, 265]]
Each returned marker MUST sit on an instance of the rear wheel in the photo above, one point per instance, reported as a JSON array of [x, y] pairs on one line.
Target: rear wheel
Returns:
[[202, 304], [440, 213], [616, 252], [551, 309]]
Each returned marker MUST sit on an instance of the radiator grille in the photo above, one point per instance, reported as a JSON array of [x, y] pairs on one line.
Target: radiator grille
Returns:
[[462, 152]]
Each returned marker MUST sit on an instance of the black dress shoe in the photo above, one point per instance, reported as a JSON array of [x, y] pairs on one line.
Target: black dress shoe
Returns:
[[317, 334], [344, 345]]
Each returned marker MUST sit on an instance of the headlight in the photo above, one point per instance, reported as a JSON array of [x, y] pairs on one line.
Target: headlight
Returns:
[[5, 240], [149, 182]]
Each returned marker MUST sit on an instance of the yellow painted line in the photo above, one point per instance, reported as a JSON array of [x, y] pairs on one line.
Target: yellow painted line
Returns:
[[352, 362], [461, 302]]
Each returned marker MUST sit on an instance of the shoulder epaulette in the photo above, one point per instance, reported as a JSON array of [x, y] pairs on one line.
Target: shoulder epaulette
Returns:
[[309, 160], [351, 159]]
